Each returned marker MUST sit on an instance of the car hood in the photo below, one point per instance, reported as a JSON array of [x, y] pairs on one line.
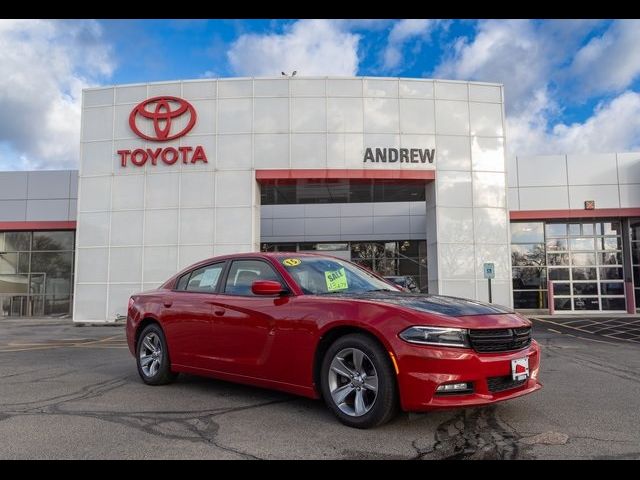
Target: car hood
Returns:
[[438, 304]]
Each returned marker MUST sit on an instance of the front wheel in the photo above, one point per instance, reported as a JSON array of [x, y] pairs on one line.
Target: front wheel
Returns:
[[152, 357], [358, 382]]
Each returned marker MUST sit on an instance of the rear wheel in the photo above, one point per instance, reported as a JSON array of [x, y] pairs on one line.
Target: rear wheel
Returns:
[[358, 382], [152, 357]]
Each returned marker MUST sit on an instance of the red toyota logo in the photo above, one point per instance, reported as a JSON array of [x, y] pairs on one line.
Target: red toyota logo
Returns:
[[162, 111]]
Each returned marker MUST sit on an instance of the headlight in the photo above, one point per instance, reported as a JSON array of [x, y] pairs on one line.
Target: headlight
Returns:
[[444, 337]]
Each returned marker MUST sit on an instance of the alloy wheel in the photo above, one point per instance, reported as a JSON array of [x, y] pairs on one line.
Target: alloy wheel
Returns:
[[150, 354], [353, 382]]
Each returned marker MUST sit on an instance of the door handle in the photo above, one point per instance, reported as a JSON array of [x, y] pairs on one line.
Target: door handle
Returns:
[[219, 312], [168, 303]]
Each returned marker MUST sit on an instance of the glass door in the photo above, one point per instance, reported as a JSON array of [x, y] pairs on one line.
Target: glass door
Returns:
[[635, 259], [584, 262]]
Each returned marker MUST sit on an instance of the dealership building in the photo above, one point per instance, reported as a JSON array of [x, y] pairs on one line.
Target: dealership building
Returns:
[[404, 176]]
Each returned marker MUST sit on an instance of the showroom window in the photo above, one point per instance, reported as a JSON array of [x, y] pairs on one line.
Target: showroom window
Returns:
[[528, 263], [36, 273], [286, 192], [585, 264], [386, 258], [635, 258], [583, 259]]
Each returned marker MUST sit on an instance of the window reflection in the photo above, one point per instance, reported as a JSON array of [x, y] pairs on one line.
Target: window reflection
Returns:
[[527, 232], [585, 288], [583, 274], [635, 258], [556, 229], [581, 244], [574, 230], [611, 273], [609, 243], [36, 273], [530, 299], [529, 278], [556, 244], [527, 254], [287, 192], [584, 261], [404, 258], [558, 259], [558, 274], [610, 258]]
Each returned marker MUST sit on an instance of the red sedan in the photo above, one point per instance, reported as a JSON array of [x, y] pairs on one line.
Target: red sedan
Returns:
[[319, 326]]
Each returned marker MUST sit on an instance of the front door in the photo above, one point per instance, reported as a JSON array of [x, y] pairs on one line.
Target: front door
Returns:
[[244, 323]]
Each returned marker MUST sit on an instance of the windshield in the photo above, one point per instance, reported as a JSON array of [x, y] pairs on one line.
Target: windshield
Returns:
[[324, 275]]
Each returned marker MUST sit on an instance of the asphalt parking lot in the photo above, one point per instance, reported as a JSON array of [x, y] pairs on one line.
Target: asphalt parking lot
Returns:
[[69, 392]]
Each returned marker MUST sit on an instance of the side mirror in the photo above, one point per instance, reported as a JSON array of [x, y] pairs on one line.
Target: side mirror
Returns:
[[267, 287]]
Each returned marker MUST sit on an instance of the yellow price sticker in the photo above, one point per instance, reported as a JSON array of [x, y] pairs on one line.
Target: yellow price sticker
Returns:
[[291, 262], [336, 280]]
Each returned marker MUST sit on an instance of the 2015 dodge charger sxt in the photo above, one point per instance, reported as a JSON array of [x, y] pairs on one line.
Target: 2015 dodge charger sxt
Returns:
[[319, 326]]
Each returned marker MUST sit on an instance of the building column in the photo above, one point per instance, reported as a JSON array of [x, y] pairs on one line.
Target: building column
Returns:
[[468, 225]]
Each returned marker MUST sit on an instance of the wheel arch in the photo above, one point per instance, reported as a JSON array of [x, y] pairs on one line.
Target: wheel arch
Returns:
[[330, 335], [142, 325]]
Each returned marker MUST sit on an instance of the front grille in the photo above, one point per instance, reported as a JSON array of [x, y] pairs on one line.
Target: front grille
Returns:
[[500, 340], [500, 384]]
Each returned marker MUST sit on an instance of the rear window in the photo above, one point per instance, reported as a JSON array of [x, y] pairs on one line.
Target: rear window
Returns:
[[204, 279], [182, 281]]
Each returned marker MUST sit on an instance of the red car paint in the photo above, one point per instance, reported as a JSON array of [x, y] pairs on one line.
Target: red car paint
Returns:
[[272, 341]]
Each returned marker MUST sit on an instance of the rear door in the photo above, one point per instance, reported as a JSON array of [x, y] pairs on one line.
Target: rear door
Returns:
[[187, 316]]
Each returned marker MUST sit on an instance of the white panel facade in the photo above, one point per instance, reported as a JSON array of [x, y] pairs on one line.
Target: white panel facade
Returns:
[[168, 214], [467, 215], [565, 182]]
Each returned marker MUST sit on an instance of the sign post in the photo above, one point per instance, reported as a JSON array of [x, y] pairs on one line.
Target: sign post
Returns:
[[489, 273]]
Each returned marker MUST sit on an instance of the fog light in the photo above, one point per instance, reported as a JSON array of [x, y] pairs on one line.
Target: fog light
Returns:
[[454, 388]]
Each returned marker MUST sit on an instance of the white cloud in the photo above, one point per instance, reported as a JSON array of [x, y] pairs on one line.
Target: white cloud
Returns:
[[609, 62], [613, 127], [311, 47], [401, 32], [524, 55], [503, 51], [44, 65], [368, 24], [530, 58]]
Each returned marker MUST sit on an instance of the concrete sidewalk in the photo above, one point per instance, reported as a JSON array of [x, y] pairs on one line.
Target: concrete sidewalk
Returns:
[[34, 321], [586, 314]]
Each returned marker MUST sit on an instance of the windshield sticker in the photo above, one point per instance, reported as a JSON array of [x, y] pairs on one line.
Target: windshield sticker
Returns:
[[291, 262], [336, 280]]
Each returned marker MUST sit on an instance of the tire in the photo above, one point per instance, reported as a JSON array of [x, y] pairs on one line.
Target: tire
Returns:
[[341, 391], [153, 368]]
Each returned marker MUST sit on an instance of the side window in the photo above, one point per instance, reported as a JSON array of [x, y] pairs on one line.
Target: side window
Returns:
[[205, 279], [182, 281], [244, 272]]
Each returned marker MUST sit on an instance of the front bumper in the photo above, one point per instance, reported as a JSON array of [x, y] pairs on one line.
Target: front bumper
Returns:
[[423, 368]]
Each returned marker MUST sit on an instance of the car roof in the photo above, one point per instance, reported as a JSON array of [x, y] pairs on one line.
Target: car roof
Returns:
[[262, 255]]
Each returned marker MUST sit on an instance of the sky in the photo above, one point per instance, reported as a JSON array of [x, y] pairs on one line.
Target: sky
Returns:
[[571, 86]]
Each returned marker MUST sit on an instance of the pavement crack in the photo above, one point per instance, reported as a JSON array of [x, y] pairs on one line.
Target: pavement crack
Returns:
[[190, 426], [475, 433], [86, 392], [607, 440]]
